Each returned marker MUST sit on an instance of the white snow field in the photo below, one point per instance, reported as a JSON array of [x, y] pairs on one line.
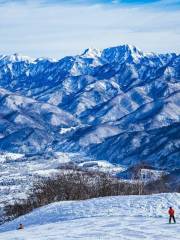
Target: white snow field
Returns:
[[121, 217]]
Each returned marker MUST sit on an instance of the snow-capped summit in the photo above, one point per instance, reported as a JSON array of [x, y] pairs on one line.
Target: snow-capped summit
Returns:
[[46, 59], [122, 53], [91, 53], [16, 58], [119, 53]]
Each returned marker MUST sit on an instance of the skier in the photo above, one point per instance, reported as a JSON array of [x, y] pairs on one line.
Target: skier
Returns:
[[171, 215], [21, 226]]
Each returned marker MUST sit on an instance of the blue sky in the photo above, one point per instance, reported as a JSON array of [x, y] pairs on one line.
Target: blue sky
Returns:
[[56, 28]]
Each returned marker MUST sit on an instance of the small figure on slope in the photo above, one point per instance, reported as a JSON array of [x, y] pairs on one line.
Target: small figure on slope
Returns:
[[21, 226], [171, 215]]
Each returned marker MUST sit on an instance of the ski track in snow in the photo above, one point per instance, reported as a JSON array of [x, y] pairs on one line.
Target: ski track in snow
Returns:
[[121, 217]]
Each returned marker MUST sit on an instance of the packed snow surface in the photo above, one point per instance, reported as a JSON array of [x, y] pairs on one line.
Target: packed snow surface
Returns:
[[121, 217]]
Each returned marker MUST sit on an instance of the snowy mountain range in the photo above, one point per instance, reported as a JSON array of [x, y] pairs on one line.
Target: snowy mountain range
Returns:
[[118, 104]]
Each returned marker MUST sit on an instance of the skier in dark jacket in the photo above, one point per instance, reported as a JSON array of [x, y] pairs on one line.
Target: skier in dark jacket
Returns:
[[21, 226], [171, 215]]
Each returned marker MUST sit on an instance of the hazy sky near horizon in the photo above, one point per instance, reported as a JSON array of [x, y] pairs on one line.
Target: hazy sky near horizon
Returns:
[[56, 28]]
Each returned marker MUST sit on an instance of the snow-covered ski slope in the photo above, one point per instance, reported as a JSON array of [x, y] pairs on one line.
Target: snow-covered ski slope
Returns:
[[121, 217]]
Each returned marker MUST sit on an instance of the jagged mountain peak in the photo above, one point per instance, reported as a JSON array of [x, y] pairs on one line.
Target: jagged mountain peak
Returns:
[[16, 57], [91, 53], [122, 53], [126, 48], [45, 59], [114, 52]]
